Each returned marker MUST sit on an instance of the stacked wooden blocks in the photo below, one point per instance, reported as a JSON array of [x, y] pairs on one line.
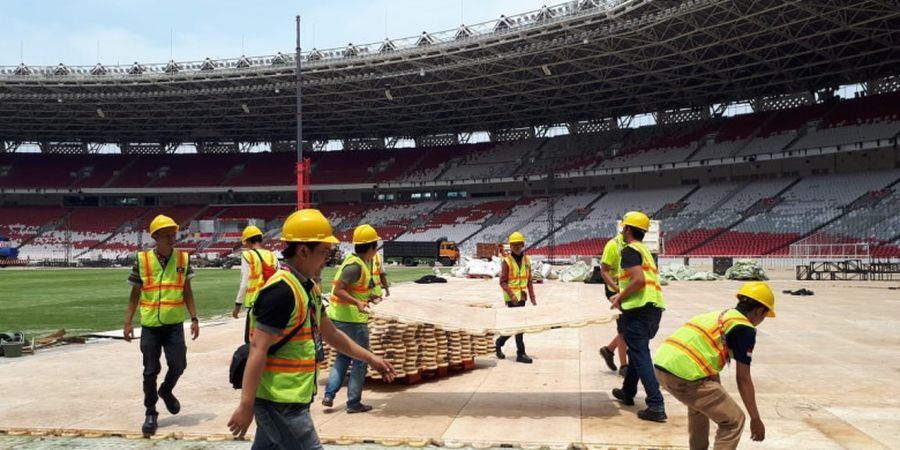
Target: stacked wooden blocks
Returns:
[[418, 350]]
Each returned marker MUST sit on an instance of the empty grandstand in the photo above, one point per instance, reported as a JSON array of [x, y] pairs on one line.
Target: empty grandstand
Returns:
[[553, 123]]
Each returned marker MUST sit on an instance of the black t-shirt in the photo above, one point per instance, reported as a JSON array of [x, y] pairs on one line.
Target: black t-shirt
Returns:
[[630, 258], [741, 340], [274, 306], [518, 259]]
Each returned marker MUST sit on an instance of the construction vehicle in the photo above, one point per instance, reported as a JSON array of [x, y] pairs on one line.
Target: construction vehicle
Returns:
[[411, 253]]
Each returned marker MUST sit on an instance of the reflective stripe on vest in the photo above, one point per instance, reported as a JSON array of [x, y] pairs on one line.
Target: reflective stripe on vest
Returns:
[[377, 270], [162, 288], [290, 374], [255, 281], [518, 277], [341, 310], [652, 291], [698, 349]]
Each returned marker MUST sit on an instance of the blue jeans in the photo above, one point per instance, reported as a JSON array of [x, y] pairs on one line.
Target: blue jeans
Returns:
[[359, 333], [284, 426], [640, 325]]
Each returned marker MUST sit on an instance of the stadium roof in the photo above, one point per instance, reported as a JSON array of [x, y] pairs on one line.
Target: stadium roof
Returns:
[[581, 60]]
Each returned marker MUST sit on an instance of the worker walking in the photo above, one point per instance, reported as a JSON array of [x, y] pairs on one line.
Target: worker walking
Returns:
[[382, 288], [348, 308], [641, 301], [257, 266], [161, 289], [610, 269], [688, 365], [515, 281], [279, 387]]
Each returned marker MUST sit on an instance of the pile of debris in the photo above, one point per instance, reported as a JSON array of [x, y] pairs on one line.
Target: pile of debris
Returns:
[[13, 343], [747, 269], [479, 268], [678, 272]]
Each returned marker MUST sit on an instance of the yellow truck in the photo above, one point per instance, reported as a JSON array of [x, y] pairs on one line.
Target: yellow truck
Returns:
[[411, 253]]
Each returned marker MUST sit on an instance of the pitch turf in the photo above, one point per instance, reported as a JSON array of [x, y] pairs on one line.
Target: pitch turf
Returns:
[[81, 301]]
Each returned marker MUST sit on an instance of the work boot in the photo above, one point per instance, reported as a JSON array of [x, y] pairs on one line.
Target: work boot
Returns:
[[651, 415], [327, 401], [523, 358], [499, 349], [620, 396], [150, 425], [360, 408], [623, 371], [172, 403], [607, 355]]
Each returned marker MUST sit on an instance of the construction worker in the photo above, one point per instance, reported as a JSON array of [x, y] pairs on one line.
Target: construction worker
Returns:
[[279, 387], [641, 301], [257, 265], [688, 365], [382, 288], [348, 308], [610, 269], [161, 289], [515, 281]]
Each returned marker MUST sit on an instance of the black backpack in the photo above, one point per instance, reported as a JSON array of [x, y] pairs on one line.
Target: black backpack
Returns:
[[239, 358]]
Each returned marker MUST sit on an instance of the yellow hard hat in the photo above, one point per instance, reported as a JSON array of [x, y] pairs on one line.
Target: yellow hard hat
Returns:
[[365, 234], [159, 222], [249, 232], [636, 219], [760, 292], [516, 237], [307, 225]]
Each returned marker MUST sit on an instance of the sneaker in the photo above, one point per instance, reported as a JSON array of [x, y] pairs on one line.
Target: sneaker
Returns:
[[150, 425], [524, 359], [360, 408], [651, 415], [623, 371], [327, 402], [172, 403], [607, 355], [499, 350], [620, 396]]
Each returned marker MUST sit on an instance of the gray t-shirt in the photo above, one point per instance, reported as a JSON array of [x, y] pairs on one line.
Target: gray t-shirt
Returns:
[[351, 274]]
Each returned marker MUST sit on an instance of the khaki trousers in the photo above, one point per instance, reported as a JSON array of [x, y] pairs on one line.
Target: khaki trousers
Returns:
[[706, 400]]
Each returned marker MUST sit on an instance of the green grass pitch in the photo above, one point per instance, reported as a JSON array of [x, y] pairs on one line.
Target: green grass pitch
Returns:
[[82, 301]]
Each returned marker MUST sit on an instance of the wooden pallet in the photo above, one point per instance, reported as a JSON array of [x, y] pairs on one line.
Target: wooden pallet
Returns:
[[484, 277]]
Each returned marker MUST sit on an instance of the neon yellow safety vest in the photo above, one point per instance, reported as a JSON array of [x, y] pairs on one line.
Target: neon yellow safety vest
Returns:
[[518, 277], [162, 288], [255, 282], [290, 373], [343, 311], [612, 254], [652, 292], [376, 275], [698, 349]]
